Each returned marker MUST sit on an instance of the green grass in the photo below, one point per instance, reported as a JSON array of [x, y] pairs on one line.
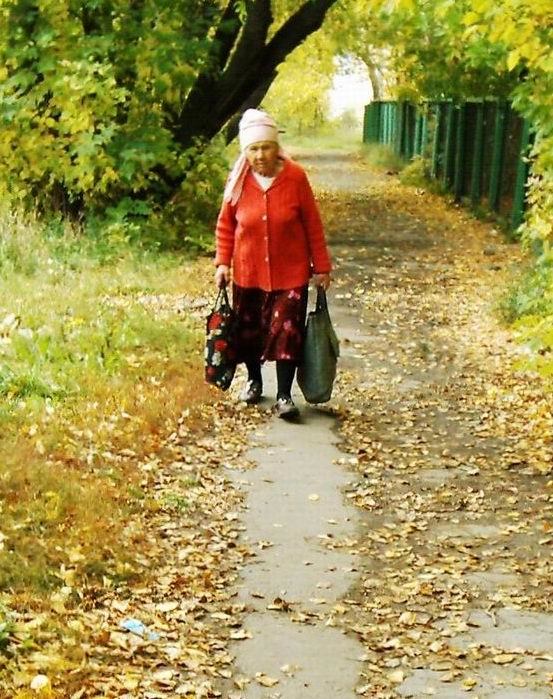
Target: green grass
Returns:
[[382, 156], [75, 324], [87, 371], [416, 173]]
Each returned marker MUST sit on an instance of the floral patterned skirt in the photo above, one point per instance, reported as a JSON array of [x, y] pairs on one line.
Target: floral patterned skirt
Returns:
[[271, 324]]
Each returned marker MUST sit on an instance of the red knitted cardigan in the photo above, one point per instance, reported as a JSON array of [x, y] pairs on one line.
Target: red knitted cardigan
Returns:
[[274, 239]]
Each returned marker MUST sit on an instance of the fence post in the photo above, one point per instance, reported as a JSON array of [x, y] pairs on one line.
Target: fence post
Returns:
[[449, 154], [370, 133], [372, 122], [424, 129], [387, 120], [406, 140], [436, 142], [521, 177], [400, 129], [378, 122], [417, 136], [459, 166], [392, 123], [497, 155], [366, 117], [413, 127], [477, 157], [421, 131]]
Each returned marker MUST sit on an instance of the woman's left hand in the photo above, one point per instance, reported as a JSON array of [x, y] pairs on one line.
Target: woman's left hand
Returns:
[[322, 280]]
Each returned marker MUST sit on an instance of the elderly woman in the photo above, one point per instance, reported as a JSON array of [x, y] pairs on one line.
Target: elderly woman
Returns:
[[269, 231]]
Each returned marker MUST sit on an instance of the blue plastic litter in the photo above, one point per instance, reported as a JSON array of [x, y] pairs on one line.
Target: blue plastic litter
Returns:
[[137, 627]]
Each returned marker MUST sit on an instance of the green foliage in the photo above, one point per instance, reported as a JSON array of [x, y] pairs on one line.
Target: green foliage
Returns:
[[298, 98], [196, 203], [423, 43], [470, 49], [185, 220], [520, 30], [529, 297], [416, 172], [88, 93], [528, 306], [107, 107]]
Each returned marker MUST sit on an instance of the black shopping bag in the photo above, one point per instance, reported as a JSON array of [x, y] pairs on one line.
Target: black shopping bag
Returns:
[[321, 350], [220, 351]]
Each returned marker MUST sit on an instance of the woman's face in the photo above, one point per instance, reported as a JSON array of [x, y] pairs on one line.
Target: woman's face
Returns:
[[263, 157]]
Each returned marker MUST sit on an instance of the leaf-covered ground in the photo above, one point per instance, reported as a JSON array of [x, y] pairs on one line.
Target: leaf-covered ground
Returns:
[[450, 447]]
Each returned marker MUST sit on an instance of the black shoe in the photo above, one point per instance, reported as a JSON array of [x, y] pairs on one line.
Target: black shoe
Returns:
[[286, 409], [252, 392]]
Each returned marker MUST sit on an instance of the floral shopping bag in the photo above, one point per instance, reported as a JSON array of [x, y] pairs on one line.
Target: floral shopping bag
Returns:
[[220, 353]]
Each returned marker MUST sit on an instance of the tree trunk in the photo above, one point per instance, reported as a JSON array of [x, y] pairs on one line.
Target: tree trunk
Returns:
[[250, 69], [376, 82]]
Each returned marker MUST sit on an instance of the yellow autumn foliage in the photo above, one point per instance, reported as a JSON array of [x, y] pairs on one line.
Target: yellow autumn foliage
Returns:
[[522, 28]]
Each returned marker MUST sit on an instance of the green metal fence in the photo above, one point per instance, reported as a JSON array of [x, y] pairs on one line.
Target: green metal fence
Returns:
[[476, 149]]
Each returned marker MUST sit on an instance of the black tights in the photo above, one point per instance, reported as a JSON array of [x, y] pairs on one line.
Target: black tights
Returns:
[[285, 375], [254, 371]]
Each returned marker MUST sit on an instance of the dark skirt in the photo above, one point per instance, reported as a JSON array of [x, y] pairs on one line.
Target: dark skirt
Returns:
[[271, 324]]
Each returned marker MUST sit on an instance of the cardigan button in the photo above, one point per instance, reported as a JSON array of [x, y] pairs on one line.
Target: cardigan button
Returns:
[[264, 217]]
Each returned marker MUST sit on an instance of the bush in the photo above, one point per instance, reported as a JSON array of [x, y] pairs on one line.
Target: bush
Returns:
[[416, 172], [532, 295], [382, 156], [185, 222], [89, 111]]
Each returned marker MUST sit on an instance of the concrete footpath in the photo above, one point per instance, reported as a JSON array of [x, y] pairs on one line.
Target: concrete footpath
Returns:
[[295, 516], [302, 529]]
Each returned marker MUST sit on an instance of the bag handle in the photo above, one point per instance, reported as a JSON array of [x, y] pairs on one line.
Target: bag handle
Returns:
[[222, 297], [322, 304]]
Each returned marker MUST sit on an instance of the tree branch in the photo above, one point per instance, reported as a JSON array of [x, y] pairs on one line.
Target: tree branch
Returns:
[[226, 34], [293, 32], [251, 68], [252, 39]]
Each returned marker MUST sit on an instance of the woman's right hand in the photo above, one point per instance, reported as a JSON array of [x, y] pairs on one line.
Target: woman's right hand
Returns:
[[222, 276]]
